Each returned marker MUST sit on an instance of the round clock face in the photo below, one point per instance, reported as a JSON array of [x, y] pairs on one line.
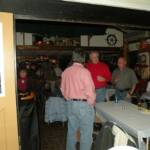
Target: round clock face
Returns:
[[143, 58], [111, 40]]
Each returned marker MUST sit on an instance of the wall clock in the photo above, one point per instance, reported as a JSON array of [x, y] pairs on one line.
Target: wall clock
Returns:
[[111, 39]]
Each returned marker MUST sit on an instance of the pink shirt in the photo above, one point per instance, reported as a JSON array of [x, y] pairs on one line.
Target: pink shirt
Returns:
[[77, 83]]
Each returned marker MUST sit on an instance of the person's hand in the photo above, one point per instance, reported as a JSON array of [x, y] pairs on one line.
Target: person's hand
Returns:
[[116, 79], [22, 98], [101, 79], [128, 97], [92, 103]]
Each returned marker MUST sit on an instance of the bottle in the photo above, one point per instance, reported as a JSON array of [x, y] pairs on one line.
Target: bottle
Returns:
[[116, 99], [140, 104]]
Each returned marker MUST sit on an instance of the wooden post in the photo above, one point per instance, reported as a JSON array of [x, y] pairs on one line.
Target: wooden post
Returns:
[[125, 49]]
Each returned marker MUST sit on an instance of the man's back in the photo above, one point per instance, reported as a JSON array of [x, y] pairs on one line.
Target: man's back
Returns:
[[78, 89], [77, 83]]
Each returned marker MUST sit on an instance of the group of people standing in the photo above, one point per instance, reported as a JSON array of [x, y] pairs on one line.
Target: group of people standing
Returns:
[[34, 82], [83, 85]]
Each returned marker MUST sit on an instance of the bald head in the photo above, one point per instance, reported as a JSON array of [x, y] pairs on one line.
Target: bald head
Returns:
[[122, 62], [94, 57]]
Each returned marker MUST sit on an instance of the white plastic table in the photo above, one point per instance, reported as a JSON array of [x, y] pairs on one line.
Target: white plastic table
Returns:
[[127, 116]]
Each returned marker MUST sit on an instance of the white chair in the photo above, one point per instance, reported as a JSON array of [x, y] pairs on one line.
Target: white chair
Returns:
[[109, 93], [123, 148]]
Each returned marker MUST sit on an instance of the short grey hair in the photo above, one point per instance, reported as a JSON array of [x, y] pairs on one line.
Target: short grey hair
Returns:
[[78, 56]]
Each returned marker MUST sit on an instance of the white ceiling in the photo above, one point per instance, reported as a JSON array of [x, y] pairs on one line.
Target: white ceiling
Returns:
[[130, 4]]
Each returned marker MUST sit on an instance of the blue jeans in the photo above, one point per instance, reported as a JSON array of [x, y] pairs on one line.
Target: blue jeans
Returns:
[[80, 116], [121, 95], [100, 95]]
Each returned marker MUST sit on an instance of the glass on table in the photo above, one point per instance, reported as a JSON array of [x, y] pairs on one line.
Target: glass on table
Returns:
[[148, 104], [140, 105]]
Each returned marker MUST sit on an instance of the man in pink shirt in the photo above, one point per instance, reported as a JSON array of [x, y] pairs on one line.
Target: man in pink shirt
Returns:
[[78, 89]]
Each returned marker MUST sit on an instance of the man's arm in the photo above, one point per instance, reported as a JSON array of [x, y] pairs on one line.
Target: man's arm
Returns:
[[132, 89], [62, 86], [115, 78], [106, 76], [29, 97], [134, 81]]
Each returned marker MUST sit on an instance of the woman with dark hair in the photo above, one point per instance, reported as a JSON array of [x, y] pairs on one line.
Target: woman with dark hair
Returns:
[[27, 113]]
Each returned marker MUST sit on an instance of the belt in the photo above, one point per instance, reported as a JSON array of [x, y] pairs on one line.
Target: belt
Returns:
[[84, 100], [123, 90]]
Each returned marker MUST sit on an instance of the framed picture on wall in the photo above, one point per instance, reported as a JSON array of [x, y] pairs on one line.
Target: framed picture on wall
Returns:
[[144, 65], [2, 85]]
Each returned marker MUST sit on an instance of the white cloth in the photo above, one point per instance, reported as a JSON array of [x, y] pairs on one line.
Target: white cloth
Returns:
[[55, 110], [123, 148], [120, 137]]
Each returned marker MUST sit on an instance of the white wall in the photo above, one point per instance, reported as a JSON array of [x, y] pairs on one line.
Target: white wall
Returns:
[[101, 40], [24, 38], [134, 46]]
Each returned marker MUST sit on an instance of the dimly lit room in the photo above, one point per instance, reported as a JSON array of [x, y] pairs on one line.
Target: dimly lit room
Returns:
[[75, 75]]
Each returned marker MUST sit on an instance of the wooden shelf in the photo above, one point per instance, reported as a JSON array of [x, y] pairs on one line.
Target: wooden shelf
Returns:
[[59, 50], [32, 47], [142, 65], [144, 50], [37, 48], [141, 51]]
